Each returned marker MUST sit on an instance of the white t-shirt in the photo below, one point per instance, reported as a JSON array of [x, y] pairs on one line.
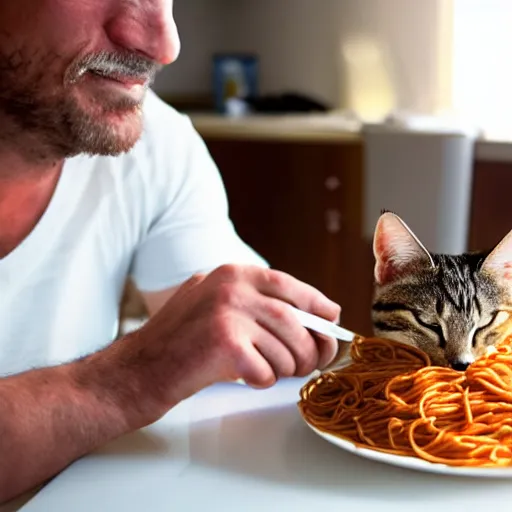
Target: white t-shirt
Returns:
[[158, 213]]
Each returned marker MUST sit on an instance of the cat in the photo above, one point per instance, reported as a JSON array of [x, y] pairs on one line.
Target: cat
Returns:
[[452, 307]]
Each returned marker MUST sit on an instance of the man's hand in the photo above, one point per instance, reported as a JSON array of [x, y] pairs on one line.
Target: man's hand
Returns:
[[233, 324]]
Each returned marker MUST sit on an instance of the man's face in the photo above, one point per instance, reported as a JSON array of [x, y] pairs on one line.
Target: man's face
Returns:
[[74, 72]]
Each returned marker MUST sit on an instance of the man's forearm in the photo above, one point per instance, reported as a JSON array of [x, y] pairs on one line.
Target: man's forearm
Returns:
[[52, 416]]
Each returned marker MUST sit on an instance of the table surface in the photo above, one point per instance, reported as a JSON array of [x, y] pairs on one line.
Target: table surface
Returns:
[[232, 448]]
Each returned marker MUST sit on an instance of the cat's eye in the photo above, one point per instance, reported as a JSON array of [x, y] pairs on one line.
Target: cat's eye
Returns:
[[434, 327], [496, 319]]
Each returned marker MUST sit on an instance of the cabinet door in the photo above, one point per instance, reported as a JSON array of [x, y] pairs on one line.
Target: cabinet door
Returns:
[[299, 206], [491, 211]]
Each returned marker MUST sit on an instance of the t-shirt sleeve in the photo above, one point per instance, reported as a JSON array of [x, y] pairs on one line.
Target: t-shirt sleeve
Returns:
[[191, 230]]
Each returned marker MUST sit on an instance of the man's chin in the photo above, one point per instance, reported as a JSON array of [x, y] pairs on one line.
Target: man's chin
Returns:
[[123, 130], [104, 120], [110, 139], [106, 132]]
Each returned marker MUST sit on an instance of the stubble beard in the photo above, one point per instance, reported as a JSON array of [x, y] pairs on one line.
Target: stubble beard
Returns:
[[43, 120]]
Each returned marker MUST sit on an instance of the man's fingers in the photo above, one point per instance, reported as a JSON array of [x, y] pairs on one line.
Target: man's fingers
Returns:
[[329, 350], [280, 285], [276, 354], [190, 283], [278, 319], [255, 370]]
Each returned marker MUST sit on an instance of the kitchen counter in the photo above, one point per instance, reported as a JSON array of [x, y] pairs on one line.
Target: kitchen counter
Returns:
[[320, 128], [493, 151], [291, 127]]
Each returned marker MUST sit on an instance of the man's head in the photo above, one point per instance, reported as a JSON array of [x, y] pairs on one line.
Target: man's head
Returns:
[[73, 74]]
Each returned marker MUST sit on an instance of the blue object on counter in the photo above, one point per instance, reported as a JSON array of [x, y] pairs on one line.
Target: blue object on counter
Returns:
[[234, 76]]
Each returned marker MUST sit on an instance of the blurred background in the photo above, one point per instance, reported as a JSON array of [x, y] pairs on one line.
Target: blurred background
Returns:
[[319, 113]]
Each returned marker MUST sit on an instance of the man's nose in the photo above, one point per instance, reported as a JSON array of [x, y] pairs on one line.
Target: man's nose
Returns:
[[146, 27]]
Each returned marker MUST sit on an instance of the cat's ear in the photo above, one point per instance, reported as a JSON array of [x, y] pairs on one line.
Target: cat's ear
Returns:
[[499, 261], [396, 249]]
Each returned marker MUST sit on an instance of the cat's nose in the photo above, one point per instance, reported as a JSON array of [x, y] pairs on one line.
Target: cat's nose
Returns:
[[460, 366]]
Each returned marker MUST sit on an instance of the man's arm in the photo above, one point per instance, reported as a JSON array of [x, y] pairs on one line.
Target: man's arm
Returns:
[[52, 416]]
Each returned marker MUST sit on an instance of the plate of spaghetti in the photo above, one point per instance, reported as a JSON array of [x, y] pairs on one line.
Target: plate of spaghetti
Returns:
[[392, 405]]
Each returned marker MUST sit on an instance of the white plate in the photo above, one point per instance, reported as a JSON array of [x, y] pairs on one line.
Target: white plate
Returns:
[[412, 462]]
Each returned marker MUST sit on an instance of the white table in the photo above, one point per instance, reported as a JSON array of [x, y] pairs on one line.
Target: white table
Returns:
[[231, 448]]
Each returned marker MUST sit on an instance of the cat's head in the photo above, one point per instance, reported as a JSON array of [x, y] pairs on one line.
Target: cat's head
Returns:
[[452, 307]]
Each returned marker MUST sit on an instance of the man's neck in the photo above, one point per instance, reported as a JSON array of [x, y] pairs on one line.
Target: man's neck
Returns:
[[26, 189]]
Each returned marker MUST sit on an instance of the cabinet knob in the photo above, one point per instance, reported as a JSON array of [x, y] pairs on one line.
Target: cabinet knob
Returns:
[[332, 183], [333, 220]]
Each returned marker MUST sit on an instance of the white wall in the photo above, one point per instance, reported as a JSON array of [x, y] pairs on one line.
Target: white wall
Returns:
[[201, 27], [336, 50], [482, 57]]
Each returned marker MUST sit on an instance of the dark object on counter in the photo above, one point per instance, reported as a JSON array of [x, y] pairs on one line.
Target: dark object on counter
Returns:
[[283, 103]]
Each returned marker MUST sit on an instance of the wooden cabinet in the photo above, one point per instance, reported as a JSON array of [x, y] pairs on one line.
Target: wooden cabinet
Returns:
[[299, 205], [491, 211]]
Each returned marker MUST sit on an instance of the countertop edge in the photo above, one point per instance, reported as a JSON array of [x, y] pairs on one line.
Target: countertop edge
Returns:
[[321, 130]]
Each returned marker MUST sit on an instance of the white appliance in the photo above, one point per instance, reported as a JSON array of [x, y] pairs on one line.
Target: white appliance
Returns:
[[422, 172]]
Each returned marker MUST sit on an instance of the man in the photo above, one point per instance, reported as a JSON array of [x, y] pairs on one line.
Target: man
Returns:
[[100, 180]]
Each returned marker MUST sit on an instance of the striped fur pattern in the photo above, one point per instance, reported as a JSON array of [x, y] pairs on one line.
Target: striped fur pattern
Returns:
[[452, 307]]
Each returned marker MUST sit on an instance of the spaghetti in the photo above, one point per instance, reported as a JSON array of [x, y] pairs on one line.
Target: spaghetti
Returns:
[[391, 399]]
